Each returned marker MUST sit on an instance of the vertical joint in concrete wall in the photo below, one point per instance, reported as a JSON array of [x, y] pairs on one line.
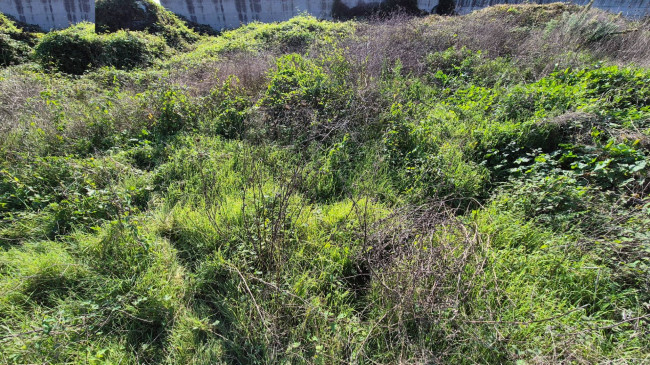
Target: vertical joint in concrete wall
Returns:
[[242, 11], [20, 11]]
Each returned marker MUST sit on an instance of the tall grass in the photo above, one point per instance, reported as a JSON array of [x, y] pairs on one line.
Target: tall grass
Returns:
[[467, 189]]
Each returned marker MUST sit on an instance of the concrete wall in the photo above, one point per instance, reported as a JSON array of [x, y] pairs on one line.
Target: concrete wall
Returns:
[[50, 14], [232, 13], [221, 14]]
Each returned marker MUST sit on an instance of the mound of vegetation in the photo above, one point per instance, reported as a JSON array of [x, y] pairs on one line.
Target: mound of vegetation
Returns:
[[15, 43], [468, 189], [78, 48], [261, 39], [143, 15]]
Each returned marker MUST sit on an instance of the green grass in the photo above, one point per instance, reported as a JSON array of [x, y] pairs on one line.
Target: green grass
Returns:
[[411, 190]]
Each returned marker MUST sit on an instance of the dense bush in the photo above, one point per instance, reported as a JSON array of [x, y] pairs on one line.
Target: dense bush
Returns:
[[18, 31], [77, 49], [15, 43], [12, 51], [293, 35], [141, 15]]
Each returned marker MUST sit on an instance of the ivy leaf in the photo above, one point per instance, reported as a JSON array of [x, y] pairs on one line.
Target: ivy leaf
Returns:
[[639, 166], [602, 164]]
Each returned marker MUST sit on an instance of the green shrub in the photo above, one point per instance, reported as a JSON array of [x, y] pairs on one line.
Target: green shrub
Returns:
[[143, 15], [8, 26], [73, 50], [78, 49], [12, 51], [228, 108], [304, 101], [15, 43], [454, 62], [291, 36], [174, 112], [18, 31], [127, 50], [296, 79]]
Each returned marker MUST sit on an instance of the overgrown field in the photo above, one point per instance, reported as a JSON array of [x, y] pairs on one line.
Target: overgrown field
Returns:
[[469, 189]]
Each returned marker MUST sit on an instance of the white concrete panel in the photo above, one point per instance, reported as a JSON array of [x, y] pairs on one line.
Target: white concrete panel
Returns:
[[50, 14], [221, 14]]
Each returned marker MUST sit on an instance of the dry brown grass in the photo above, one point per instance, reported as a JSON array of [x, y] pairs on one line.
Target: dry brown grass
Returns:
[[22, 108], [17, 94], [546, 34], [536, 36], [250, 69], [379, 44], [424, 264]]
